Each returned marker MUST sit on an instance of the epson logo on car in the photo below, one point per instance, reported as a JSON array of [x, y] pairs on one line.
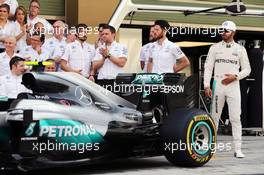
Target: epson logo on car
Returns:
[[66, 131]]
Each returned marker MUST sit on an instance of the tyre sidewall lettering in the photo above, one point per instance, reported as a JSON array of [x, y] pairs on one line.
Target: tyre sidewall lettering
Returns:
[[194, 122]]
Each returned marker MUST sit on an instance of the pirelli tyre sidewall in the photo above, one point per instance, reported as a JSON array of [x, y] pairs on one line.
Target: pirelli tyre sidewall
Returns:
[[188, 138]]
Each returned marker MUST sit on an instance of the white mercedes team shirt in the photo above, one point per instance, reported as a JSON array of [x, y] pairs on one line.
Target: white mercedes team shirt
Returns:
[[164, 56], [109, 70], [22, 42], [79, 57], [59, 50], [10, 85], [29, 54], [145, 54], [226, 58], [4, 63], [53, 43]]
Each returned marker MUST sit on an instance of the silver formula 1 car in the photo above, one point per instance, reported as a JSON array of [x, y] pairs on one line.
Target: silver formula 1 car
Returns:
[[68, 120]]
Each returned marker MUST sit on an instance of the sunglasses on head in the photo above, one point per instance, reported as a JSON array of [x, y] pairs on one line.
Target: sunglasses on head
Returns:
[[227, 30]]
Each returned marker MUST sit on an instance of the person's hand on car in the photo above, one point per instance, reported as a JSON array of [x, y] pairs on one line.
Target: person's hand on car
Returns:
[[208, 92]]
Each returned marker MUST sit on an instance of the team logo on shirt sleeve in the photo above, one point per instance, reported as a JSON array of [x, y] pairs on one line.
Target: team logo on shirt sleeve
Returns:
[[179, 51], [124, 51]]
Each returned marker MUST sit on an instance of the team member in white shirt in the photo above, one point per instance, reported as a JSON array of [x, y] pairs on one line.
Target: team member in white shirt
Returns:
[[7, 28], [164, 53], [226, 58], [36, 52], [21, 16], [145, 51], [12, 4], [57, 41], [79, 54], [59, 50], [5, 57], [10, 84], [33, 17], [58, 37], [71, 37], [111, 57]]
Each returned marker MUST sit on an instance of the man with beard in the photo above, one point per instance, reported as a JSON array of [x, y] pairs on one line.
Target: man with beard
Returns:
[[145, 50], [226, 58], [10, 84], [164, 53], [78, 55]]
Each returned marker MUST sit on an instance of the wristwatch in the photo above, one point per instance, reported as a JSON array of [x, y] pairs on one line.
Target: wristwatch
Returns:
[[109, 55], [236, 76]]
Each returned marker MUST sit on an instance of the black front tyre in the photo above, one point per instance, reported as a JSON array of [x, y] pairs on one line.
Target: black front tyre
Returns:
[[188, 138]]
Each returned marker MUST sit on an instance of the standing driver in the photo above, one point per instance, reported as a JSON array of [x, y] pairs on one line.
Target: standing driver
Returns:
[[226, 58]]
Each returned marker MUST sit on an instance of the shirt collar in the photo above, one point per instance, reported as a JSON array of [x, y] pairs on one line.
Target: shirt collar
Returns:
[[5, 54], [43, 48], [112, 44], [7, 23], [164, 42], [36, 18], [230, 44], [14, 76], [79, 43]]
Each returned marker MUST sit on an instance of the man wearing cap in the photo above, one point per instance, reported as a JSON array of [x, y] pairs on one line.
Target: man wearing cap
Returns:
[[164, 53], [226, 58]]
